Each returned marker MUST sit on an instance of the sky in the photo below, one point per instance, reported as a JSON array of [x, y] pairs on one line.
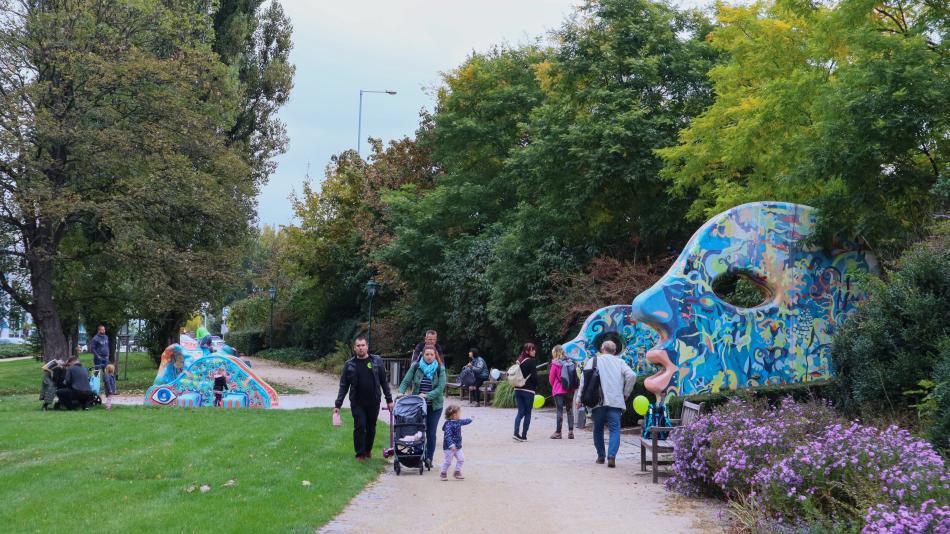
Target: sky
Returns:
[[403, 46]]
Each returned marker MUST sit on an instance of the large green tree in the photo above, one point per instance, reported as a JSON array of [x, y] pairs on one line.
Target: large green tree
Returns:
[[113, 158], [842, 105]]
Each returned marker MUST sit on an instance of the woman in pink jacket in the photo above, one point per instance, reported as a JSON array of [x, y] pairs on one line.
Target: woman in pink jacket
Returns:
[[562, 397]]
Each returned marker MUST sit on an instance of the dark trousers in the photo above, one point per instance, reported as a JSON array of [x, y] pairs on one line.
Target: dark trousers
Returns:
[[525, 401], [71, 398], [432, 430], [364, 427], [563, 402], [475, 394]]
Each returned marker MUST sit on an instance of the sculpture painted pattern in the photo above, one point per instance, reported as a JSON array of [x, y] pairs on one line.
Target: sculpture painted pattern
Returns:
[[637, 338], [185, 378], [709, 345]]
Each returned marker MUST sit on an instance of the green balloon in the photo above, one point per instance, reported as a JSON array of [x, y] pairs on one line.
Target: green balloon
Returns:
[[641, 405], [538, 401]]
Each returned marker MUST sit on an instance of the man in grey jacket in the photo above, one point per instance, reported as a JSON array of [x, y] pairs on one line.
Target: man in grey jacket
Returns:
[[616, 381]]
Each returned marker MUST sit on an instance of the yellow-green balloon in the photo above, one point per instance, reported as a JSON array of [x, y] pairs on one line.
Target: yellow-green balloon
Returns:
[[641, 405], [538, 401]]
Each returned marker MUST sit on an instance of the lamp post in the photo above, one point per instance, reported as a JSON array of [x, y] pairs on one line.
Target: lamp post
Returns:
[[371, 288], [359, 123], [270, 334]]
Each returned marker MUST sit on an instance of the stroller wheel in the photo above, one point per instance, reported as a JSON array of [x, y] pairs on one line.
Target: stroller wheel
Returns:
[[397, 468]]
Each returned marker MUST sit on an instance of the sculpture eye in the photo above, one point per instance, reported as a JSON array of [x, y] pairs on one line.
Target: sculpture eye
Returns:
[[163, 396]]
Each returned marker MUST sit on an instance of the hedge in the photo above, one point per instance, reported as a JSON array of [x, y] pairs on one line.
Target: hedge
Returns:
[[249, 342]]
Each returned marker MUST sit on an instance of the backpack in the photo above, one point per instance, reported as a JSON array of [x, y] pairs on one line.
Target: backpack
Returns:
[[467, 377], [656, 417], [569, 379], [515, 378], [593, 395]]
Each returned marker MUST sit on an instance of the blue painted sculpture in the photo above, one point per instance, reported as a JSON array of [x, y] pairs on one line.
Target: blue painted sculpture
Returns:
[[708, 344], [186, 378], [637, 338]]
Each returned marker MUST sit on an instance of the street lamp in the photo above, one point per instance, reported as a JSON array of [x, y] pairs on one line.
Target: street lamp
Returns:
[[270, 334], [359, 124], [372, 287]]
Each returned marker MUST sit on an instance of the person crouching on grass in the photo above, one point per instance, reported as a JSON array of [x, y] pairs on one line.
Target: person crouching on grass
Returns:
[[452, 441]]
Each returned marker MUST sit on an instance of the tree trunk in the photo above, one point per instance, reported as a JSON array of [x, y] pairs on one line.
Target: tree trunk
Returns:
[[55, 344]]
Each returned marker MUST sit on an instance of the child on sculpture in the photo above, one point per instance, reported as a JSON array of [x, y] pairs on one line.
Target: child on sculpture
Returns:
[[452, 442], [220, 384]]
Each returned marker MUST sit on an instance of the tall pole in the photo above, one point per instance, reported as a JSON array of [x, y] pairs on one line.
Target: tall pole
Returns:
[[270, 332], [359, 121], [369, 335]]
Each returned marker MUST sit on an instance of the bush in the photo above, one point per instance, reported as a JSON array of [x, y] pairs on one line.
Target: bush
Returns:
[[17, 351], [899, 338], [289, 355], [800, 464], [333, 362], [249, 342], [505, 394]]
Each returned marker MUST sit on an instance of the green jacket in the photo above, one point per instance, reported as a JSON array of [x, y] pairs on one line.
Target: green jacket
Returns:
[[414, 377]]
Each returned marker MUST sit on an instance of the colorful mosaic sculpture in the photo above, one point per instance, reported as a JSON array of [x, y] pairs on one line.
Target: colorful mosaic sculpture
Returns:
[[708, 344], [637, 338], [186, 378]]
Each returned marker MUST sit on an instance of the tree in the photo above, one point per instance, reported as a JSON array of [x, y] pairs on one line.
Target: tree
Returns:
[[840, 105]]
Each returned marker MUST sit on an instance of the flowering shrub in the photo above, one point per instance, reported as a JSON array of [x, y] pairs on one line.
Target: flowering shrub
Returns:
[[801, 461]]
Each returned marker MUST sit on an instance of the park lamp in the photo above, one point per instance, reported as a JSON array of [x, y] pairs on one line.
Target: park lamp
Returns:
[[272, 292], [372, 287]]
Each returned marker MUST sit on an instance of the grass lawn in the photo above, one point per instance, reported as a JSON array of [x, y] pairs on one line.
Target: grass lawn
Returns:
[[24, 376], [130, 470]]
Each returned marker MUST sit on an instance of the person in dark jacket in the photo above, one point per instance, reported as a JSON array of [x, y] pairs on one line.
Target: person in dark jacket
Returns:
[[76, 390], [477, 364], [364, 376], [524, 395], [431, 340], [100, 348]]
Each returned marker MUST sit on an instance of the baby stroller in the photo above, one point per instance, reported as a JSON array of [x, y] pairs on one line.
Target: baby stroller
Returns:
[[409, 433]]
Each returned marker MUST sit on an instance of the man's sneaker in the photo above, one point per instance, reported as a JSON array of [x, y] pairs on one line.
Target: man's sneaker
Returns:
[[600, 459], [517, 438], [611, 462], [570, 435]]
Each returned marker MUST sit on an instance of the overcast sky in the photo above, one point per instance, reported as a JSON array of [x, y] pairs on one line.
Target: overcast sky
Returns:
[[342, 47]]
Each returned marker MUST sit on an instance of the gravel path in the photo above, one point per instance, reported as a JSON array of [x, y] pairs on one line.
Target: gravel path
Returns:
[[542, 485]]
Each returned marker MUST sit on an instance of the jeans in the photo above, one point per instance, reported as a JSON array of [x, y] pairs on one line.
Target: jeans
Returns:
[[610, 416], [525, 401], [364, 427], [432, 430], [459, 460], [563, 403]]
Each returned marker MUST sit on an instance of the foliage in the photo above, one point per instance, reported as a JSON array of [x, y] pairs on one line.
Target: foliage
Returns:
[[267, 453], [801, 464], [839, 105], [248, 342], [898, 338], [289, 355], [504, 396], [17, 351]]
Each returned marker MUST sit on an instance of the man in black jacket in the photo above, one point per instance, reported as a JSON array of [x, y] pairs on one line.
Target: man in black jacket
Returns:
[[76, 390], [365, 377]]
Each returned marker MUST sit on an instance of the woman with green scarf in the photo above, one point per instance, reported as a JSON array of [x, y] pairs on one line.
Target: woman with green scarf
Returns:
[[427, 379]]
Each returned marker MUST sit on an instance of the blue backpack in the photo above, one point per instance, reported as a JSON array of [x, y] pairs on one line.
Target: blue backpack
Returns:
[[656, 417]]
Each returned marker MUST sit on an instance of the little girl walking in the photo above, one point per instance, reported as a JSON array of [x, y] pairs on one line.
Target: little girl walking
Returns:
[[452, 441], [109, 383]]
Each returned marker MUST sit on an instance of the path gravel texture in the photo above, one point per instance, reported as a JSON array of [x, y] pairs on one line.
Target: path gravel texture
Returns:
[[542, 485]]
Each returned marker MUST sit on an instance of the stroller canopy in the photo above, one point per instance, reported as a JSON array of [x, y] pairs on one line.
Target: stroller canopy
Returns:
[[410, 408]]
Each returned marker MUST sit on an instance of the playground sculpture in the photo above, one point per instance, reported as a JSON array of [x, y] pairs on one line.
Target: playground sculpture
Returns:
[[706, 344], [186, 378]]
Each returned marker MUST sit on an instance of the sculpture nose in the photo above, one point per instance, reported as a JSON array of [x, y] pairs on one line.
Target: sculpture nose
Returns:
[[653, 308]]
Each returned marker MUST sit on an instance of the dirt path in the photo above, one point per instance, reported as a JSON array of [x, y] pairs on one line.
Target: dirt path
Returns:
[[542, 485]]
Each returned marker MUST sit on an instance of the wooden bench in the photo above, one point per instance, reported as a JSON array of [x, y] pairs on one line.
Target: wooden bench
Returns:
[[658, 446], [452, 383]]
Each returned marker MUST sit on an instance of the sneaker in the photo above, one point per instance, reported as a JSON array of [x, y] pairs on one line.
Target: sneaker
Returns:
[[611, 462], [570, 435], [443, 477], [517, 438], [556, 435], [600, 459], [458, 476]]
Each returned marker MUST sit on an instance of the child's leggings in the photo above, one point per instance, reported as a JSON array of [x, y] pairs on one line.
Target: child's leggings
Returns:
[[108, 402], [459, 460]]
